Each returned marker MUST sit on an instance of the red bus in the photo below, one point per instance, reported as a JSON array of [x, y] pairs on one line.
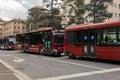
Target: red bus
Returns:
[[8, 42], [43, 41], [100, 41]]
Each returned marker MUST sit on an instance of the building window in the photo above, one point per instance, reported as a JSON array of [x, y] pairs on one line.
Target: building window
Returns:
[[23, 28], [115, 14], [15, 27], [115, 5], [18, 27], [14, 32], [119, 6], [112, 4], [119, 16]]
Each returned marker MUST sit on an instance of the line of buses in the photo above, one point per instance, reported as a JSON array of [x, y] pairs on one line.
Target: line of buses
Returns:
[[99, 41]]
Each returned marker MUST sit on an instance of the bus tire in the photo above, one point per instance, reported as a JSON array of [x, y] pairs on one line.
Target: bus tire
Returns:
[[71, 56], [40, 51], [23, 50], [58, 54]]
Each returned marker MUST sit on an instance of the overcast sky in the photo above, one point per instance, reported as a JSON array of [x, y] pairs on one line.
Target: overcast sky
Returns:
[[10, 9]]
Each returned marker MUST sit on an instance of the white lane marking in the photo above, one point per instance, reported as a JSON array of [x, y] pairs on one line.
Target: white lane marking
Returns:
[[18, 76], [34, 48], [15, 71], [5, 74], [73, 63], [5, 55], [18, 59], [82, 74], [33, 55]]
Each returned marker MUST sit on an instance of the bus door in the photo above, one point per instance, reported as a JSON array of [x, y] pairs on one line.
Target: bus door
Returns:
[[47, 41], [89, 43], [26, 43]]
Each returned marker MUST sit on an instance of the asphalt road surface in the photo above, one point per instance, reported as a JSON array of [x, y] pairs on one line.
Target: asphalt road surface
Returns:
[[30, 66]]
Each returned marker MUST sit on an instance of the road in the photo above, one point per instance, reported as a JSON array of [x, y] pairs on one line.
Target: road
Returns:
[[29, 66]]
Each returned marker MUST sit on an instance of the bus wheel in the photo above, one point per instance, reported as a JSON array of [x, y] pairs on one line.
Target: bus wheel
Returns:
[[40, 51], [23, 50], [58, 54], [71, 56]]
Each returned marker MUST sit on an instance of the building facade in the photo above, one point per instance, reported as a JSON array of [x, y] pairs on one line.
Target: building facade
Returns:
[[114, 8], [13, 27], [35, 23], [1, 26], [66, 8]]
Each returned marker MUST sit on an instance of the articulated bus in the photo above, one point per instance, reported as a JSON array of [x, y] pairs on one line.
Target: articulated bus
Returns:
[[43, 41], [100, 41], [8, 42]]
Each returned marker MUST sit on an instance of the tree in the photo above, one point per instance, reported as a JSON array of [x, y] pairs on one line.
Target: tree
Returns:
[[35, 16], [97, 10], [53, 19], [78, 10], [38, 17], [51, 4]]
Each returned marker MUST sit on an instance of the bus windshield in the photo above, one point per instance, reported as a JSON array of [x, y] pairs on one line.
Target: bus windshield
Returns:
[[12, 40], [59, 40]]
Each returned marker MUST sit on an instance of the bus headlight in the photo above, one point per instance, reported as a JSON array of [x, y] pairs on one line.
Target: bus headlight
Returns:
[[55, 50], [9, 46]]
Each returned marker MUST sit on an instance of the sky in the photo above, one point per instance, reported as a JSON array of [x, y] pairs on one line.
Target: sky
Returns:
[[10, 9]]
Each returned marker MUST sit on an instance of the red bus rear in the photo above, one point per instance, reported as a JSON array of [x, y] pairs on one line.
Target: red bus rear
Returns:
[[100, 41], [8, 42]]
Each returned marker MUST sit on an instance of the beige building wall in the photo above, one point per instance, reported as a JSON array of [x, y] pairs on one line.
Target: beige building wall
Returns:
[[1, 32], [65, 12], [14, 27], [114, 8], [1, 27]]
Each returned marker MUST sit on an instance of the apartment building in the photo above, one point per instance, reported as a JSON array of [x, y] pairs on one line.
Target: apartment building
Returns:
[[1, 26], [66, 12], [114, 8], [34, 24], [14, 27]]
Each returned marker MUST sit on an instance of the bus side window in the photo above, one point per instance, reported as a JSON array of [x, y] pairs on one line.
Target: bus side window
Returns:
[[101, 42], [106, 39], [118, 35]]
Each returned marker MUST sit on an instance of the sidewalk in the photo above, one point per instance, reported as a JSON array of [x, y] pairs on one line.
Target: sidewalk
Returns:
[[6, 74]]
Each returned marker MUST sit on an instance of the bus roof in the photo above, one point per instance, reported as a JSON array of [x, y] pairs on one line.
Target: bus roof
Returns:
[[8, 35], [39, 29], [48, 28], [92, 26], [42, 29]]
